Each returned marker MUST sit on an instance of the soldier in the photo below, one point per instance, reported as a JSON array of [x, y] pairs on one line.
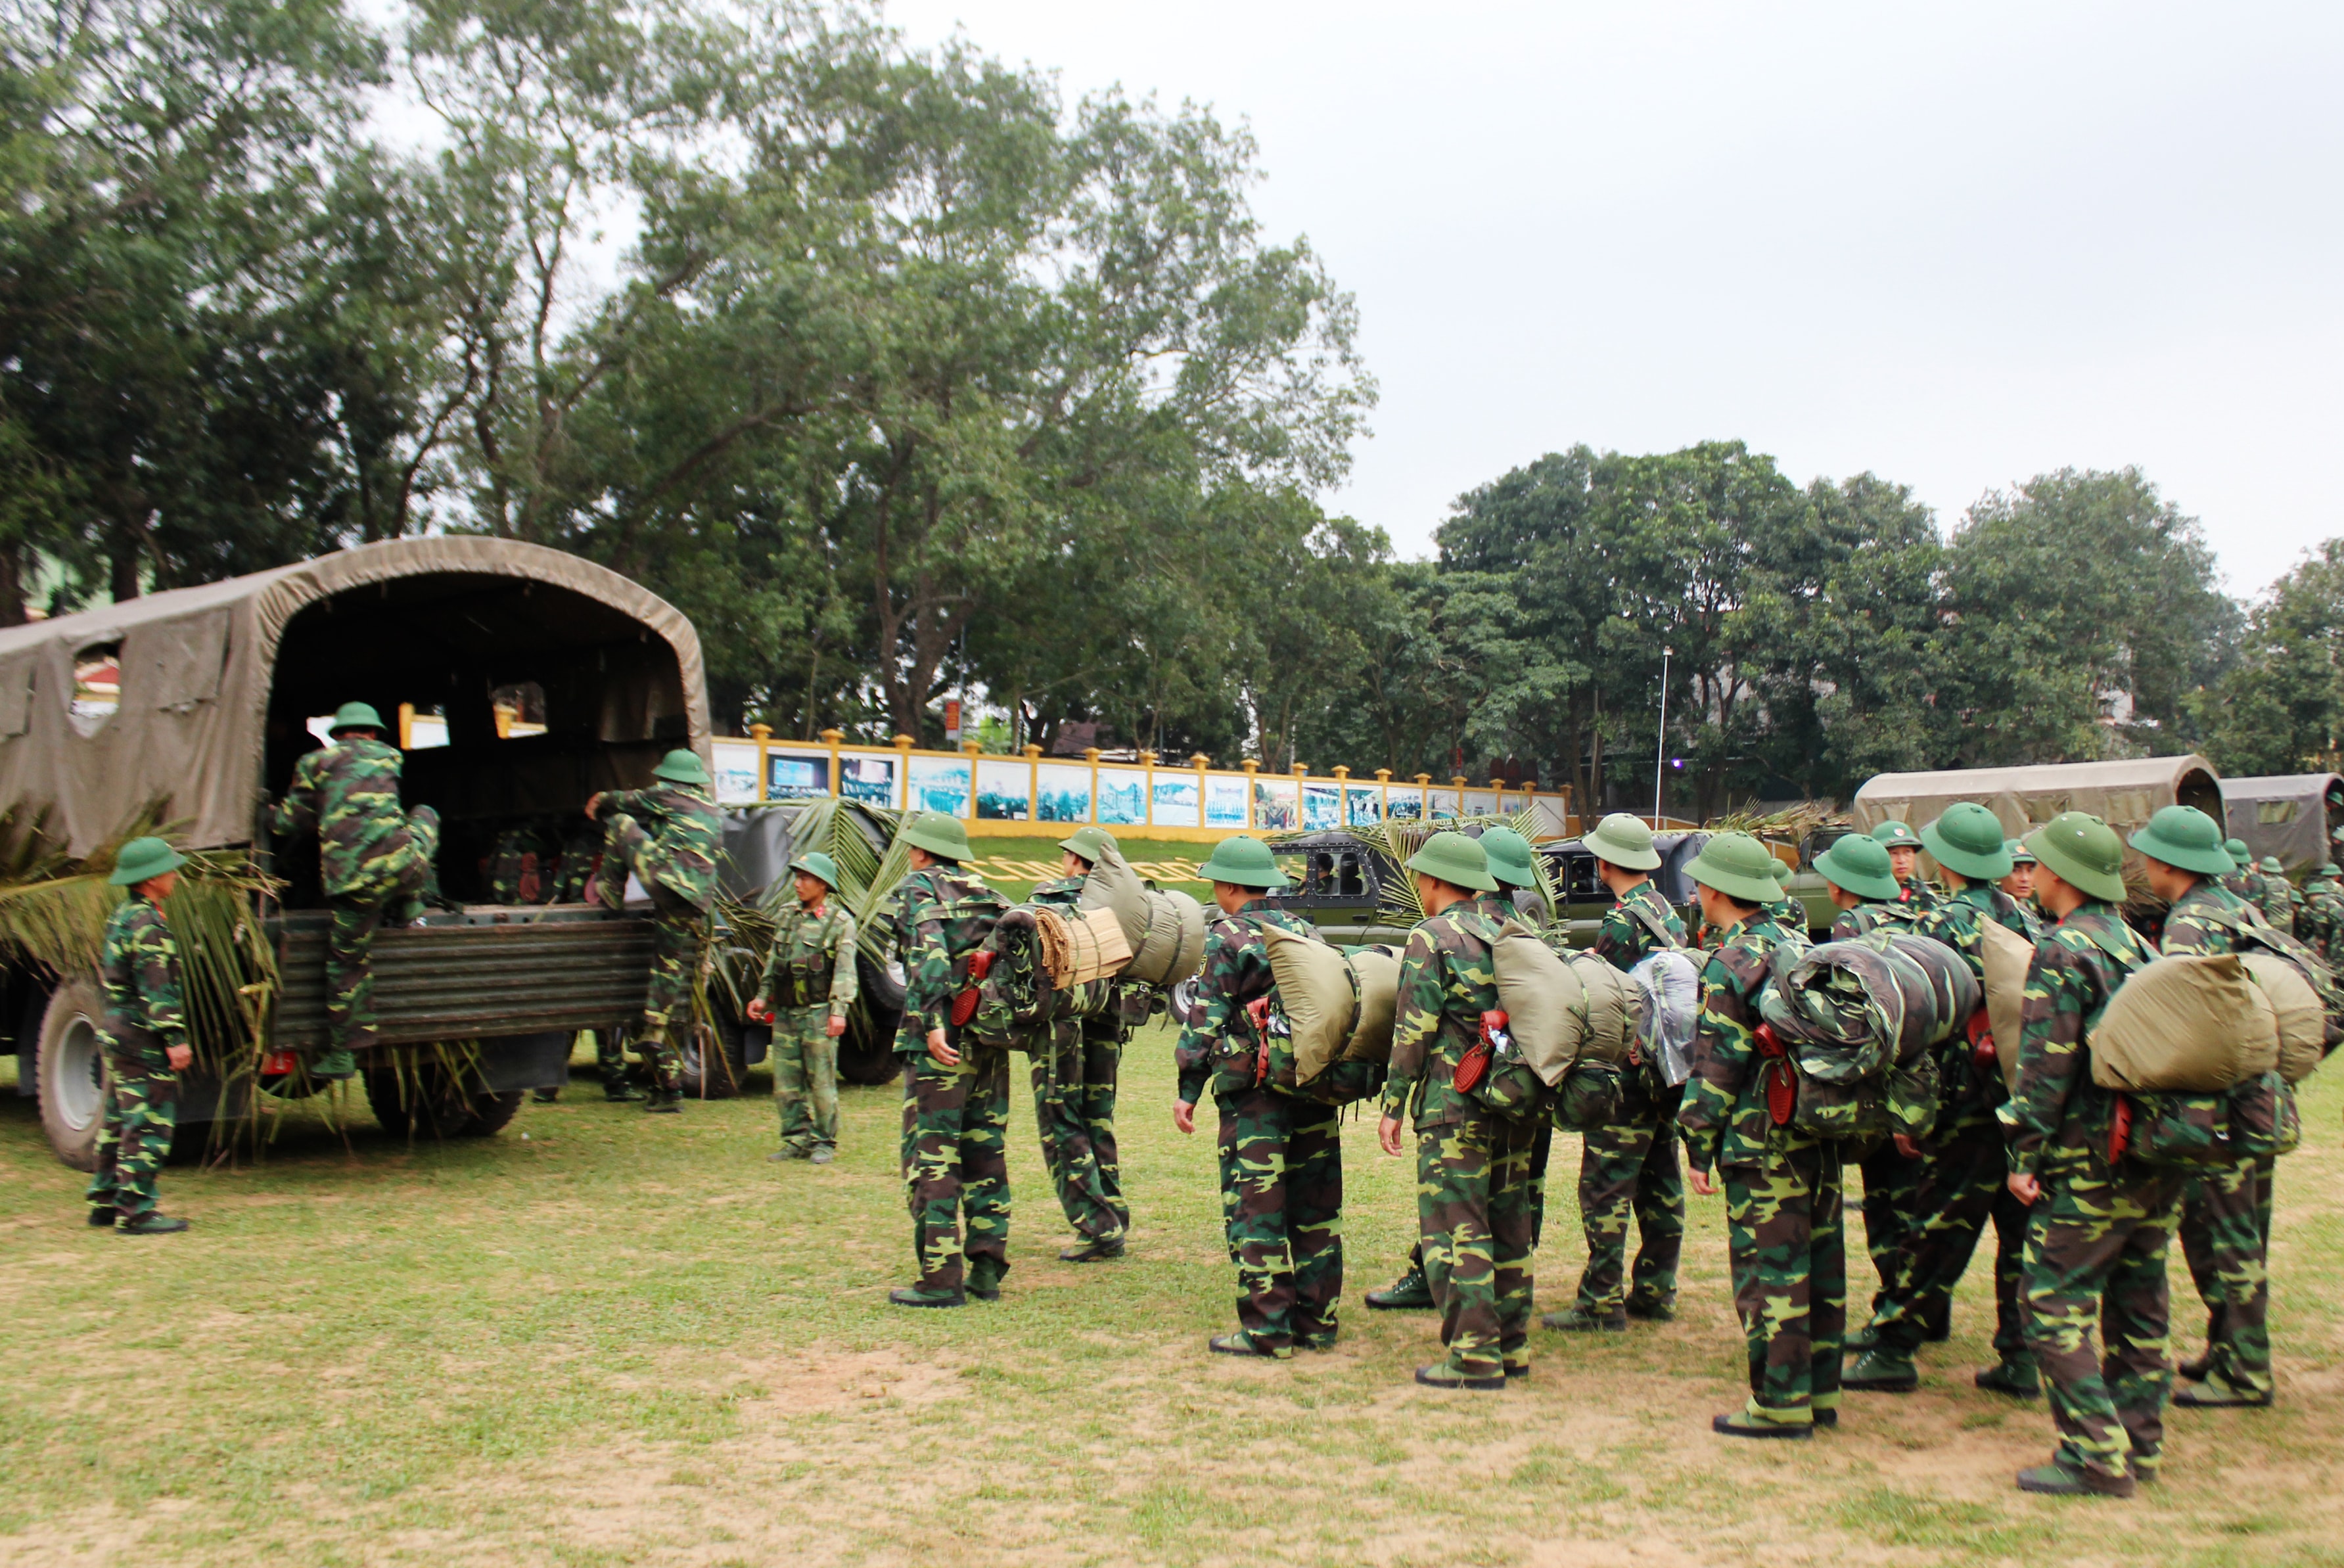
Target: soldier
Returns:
[[2274, 896], [2241, 883], [1903, 847], [2226, 1246], [1631, 1166], [2020, 885], [2323, 911], [1864, 888], [808, 988], [374, 860], [1960, 1166], [1476, 1112], [144, 1036], [1073, 1083], [1781, 1188], [955, 1151], [666, 836], [2095, 1239], [1281, 1155]]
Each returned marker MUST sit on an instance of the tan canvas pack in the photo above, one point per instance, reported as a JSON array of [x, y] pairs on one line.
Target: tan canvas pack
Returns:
[[1336, 1007], [2302, 1020], [2185, 1024], [1611, 1000], [1545, 1001], [2007, 957], [1113, 884], [1172, 949]]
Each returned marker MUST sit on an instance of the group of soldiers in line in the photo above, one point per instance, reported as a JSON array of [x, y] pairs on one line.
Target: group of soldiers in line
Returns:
[[377, 868], [2081, 1233]]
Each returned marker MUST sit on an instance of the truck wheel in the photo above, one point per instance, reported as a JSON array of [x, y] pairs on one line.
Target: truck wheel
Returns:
[[427, 1100], [71, 1073], [866, 1052], [716, 1074]]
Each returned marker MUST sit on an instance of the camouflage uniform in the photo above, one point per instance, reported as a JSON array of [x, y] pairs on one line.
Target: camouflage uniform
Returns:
[[955, 1151], [375, 861], [2225, 1213], [1281, 1154], [524, 865], [809, 979], [1631, 1166], [1782, 1214], [1472, 1157], [1918, 897], [2322, 916], [666, 836], [1892, 1183], [2095, 1241], [2245, 885], [1074, 1077], [138, 971], [2274, 896], [1963, 1171]]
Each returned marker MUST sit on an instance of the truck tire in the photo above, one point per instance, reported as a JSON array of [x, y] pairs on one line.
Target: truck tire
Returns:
[[715, 1074], [866, 1052], [71, 1072], [428, 1100]]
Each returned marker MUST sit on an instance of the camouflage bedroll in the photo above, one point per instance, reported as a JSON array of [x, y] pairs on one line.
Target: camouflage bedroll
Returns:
[[1338, 1004], [1859, 1019]]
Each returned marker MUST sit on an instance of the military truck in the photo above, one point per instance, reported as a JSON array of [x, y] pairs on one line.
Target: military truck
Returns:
[[201, 699]]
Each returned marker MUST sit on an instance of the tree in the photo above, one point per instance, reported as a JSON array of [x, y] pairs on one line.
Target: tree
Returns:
[[2281, 708]]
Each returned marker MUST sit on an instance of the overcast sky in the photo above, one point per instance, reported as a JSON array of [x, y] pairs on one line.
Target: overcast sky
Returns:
[[1956, 245]]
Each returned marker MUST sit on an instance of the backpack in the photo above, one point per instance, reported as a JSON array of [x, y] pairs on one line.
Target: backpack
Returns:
[[1832, 1075]]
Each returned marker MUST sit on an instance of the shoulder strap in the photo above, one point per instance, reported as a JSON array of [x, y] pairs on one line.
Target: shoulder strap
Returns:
[[1641, 911], [2107, 944]]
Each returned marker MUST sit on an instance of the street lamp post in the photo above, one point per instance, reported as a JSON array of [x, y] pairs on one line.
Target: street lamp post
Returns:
[[1661, 749]]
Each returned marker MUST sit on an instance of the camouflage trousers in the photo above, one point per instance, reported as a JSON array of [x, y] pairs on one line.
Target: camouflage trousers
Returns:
[[1074, 1078], [1473, 1213], [1630, 1169], [394, 890], [1964, 1182], [678, 936], [611, 1057], [2226, 1238], [1891, 1213], [1542, 1153], [1282, 1209], [1785, 1230], [955, 1159], [2096, 1247], [805, 1077], [142, 1110]]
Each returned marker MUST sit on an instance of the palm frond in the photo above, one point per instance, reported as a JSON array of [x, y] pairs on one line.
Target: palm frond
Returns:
[[1791, 822]]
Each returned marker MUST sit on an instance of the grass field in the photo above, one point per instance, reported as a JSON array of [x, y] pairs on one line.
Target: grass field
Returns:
[[608, 1339]]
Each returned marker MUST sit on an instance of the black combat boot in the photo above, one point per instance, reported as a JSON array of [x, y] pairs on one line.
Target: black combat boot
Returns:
[[1410, 1293]]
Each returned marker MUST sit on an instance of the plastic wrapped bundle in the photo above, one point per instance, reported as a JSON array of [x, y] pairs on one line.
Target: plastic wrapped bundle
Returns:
[[1668, 1012]]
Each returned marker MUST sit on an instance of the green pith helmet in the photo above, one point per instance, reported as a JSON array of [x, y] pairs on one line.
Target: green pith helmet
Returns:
[[142, 858], [1967, 841], [2330, 868], [2079, 848], [1859, 865], [1456, 860], [1243, 862], [2018, 851], [1090, 843], [939, 834], [1623, 841], [1739, 866], [2236, 848], [2271, 868], [1510, 857], [2185, 837], [817, 863], [682, 766], [355, 716], [1896, 836]]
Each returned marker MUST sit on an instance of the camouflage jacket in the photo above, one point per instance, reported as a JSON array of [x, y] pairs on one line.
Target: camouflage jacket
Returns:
[[1967, 1093], [2056, 1120], [2275, 898], [1624, 935], [1448, 979], [944, 913], [1221, 1044], [347, 795], [139, 970], [1919, 897], [1866, 917], [813, 959], [2242, 885], [684, 832], [1725, 1118], [2202, 920]]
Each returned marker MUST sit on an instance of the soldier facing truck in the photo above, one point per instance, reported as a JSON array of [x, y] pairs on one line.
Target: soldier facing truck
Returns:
[[666, 837], [144, 1036]]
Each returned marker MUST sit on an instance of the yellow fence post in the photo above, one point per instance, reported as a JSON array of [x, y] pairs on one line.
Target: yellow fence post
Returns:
[[1091, 755], [830, 739]]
